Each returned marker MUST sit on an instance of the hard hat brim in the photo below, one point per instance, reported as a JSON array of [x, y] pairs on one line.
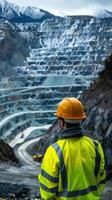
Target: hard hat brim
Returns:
[[71, 117]]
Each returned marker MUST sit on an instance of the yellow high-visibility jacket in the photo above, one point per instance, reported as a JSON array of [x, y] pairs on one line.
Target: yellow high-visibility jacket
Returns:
[[73, 169]]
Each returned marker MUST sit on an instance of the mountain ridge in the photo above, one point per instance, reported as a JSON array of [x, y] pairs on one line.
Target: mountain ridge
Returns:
[[15, 13]]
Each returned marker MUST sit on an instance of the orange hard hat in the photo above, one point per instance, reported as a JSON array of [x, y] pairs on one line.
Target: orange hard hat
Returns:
[[70, 108]]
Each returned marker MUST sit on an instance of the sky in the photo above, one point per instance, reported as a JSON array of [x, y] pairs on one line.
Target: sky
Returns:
[[67, 7]]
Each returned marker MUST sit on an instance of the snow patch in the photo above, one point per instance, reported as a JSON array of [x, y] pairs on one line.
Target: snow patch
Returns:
[[10, 11], [32, 12], [18, 139]]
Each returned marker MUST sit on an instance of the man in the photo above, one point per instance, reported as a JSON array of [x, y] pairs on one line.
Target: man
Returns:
[[73, 167]]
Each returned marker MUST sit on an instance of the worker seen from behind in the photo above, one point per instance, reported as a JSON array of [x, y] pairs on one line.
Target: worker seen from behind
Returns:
[[73, 168]]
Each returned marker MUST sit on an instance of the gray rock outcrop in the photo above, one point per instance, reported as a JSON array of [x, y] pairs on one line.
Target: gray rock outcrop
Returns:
[[13, 49], [98, 104], [7, 153]]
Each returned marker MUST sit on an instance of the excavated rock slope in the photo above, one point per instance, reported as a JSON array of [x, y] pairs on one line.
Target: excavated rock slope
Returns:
[[98, 104], [6, 153], [13, 49]]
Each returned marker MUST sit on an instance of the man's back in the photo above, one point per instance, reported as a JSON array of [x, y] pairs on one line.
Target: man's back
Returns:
[[73, 162], [79, 158]]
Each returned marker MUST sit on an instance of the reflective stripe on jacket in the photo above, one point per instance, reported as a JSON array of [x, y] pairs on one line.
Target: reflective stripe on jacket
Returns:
[[73, 169]]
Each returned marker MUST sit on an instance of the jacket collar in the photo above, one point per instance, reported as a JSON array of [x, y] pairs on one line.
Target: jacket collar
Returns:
[[74, 131]]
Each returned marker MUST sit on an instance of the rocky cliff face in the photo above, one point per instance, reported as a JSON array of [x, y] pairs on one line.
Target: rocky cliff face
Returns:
[[15, 13], [98, 104], [6, 153], [13, 49]]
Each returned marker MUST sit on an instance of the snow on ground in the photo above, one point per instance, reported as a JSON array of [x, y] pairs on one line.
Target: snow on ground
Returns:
[[20, 138], [32, 12], [23, 154]]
